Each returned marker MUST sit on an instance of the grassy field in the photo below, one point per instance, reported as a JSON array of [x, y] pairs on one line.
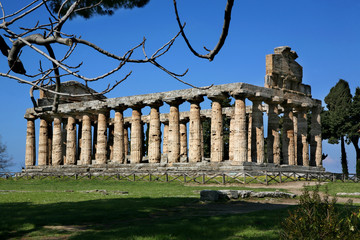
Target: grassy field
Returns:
[[73, 209]]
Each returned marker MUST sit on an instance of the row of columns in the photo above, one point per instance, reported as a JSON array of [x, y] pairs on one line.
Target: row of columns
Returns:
[[246, 140]]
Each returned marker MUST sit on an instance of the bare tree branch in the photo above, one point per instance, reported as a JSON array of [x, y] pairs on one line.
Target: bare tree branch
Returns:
[[217, 48]]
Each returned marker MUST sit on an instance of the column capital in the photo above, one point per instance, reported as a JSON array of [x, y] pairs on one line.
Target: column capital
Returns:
[[120, 107], [195, 99], [217, 97], [184, 119], [154, 103], [175, 101]]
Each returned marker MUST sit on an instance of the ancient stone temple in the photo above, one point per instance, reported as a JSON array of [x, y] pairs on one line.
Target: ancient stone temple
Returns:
[[81, 136]]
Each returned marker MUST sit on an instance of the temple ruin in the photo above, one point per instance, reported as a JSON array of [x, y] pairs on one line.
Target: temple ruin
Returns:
[[81, 136]]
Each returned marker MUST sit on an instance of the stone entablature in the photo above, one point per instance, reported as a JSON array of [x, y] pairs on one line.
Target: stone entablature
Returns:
[[82, 133]]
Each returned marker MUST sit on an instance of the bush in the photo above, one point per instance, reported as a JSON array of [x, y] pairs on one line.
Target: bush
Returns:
[[317, 218]]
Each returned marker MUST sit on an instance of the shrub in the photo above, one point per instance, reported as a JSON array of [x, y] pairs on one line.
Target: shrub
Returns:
[[320, 218]]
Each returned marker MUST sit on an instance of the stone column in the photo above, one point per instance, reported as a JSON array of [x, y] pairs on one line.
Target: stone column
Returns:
[[202, 136], [195, 134], [43, 143], [154, 150], [257, 131], [79, 133], [126, 140], [240, 132], [49, 143], [273, 136], [30, 156], [216, 141], [249, 128], [71, 141], [57, 153], [136, 140], [94, 142], [316, 144], [101, 153], [183, 138], [295, 122], [174, 131], [303, 146], [288, 136], [231, 138], [166, 138], [119, 143], [86, 140], [110, 142]]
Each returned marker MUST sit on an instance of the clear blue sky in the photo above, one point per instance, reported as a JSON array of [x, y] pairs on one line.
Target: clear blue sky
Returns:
[[324, 33]]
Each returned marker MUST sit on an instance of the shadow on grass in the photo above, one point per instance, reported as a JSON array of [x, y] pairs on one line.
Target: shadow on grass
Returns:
[[136, 218]]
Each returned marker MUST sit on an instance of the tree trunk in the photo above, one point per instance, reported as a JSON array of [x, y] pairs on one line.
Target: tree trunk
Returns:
[[355, 142], [343, 158]]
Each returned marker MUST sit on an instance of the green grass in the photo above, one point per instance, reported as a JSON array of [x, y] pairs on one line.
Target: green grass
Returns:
[[39, 209], [337, 187]]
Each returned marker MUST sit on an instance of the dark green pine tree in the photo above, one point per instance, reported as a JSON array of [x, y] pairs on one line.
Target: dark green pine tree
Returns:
[[335, 121], [354, 133], [106, 7]]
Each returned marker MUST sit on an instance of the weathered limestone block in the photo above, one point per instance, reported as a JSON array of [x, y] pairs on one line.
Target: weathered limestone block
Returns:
[[240, 131], [136, 134], [118, 145], [273, 139], [209, 195], [30, 155], [57, 152], [43, 143], [195, 135], [282, 71], [101, 153], [257, 132], [71, 141], [86, 140], [154, 151]]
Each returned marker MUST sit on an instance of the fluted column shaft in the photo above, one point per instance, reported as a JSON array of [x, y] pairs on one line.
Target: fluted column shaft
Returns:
[[258, 131], [57, 153], [303, 146], [295, 122], [273, 139], [154, 151], [250, 139], [195, 136], [288, 137], [71, 141], [183, 139], [316, 144], [136, 140], [231, 138], [126, 140], [43, 143], [174, 134], [240, 131], [217, 142], [118, 145], [101, 153], [30, 156], [86, 140], [166, 138]]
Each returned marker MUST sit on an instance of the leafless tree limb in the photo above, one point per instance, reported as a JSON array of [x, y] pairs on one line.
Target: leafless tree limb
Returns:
[[225, 30], [48, 34]]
